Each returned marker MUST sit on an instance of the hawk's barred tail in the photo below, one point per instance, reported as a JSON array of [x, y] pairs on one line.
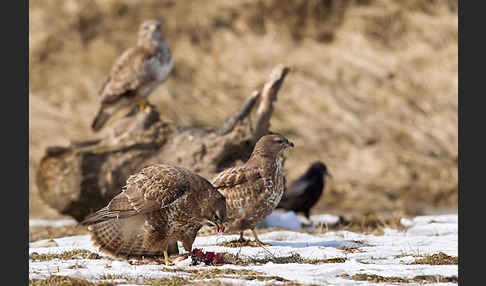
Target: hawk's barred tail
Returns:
[[121, 237], [100, 120], [99, 216]]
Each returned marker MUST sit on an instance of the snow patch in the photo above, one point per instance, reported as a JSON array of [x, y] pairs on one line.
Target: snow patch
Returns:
[[54, 223], [286, 220], [289, 220], [384, 255]]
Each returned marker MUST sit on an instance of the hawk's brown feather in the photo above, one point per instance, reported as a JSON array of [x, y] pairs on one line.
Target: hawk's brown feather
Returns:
[[159, 203], [135, 74], [254, 189], [129, 73]]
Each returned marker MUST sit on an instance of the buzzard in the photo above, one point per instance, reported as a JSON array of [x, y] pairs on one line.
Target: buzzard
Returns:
[[304, 192], [158, 204], [254, 189], [135, 74]]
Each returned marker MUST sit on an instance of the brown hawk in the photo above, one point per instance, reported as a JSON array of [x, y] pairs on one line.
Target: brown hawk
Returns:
[[135, 74], [254, 189], [158, 204]]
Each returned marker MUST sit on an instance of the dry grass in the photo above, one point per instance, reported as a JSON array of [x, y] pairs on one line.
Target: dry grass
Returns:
[[214, 273], [373, 89], [422, 279], [73, 254], [56, 280], [350, 249], [437, 259], [195, 276], [367, 224], [239, 243], [171, 281], [293, 258], [49, 232]]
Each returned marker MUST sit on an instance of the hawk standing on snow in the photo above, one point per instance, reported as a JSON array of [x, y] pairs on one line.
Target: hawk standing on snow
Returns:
[[254, 189], [135, 74], [158, 204]]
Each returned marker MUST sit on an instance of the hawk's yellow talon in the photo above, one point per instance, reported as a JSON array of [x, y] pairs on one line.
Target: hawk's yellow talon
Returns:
[[258, 243], [143, 104], [167, 261]]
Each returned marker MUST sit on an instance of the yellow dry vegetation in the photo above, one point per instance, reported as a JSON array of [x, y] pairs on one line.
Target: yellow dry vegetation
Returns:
[[373, 90]]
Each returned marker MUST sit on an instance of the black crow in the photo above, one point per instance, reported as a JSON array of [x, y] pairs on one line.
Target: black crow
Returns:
[[304, 192]]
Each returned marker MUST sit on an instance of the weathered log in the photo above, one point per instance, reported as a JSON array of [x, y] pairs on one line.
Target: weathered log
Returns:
[[83, 177]]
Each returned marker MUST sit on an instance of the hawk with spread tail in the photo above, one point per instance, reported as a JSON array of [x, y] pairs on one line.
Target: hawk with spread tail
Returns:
[[158, 204], [135, 74], [254, 189]]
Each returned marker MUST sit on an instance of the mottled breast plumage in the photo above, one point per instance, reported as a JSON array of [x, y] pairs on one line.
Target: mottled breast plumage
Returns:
[[254, 189]]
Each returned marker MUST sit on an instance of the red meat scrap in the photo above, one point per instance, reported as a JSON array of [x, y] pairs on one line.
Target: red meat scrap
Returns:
[[208, 258]]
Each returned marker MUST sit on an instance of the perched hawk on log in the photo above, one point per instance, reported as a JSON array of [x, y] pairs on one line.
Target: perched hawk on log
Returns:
[[158, 204], [254, 189], [305, 192], [135, 74]]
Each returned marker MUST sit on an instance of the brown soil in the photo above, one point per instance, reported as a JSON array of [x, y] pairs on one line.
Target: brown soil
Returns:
[[373, 90]]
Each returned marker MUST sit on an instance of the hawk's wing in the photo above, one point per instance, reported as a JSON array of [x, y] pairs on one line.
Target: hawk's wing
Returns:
[[130, 72], [154, 187], [241, 186]]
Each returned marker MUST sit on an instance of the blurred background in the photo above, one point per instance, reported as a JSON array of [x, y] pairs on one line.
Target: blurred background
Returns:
[[373, 90]]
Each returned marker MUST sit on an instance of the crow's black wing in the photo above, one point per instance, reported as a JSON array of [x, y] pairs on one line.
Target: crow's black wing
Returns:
[[297, 188]]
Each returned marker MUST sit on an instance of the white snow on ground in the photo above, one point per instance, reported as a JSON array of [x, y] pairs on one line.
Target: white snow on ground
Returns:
[[385, 255], [282, 220], [49, 222], [290, 220]]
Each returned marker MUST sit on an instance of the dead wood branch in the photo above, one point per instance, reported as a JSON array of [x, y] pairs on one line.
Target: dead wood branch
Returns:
[[83, 177]]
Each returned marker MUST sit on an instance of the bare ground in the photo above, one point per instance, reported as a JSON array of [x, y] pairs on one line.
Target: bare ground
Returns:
[[373, 90]]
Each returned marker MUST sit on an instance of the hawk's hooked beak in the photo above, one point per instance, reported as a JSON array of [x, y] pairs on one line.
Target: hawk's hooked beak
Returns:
[[291, 144], [220, 227]]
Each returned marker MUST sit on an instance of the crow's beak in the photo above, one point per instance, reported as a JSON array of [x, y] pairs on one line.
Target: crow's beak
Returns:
[[328, 174]]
